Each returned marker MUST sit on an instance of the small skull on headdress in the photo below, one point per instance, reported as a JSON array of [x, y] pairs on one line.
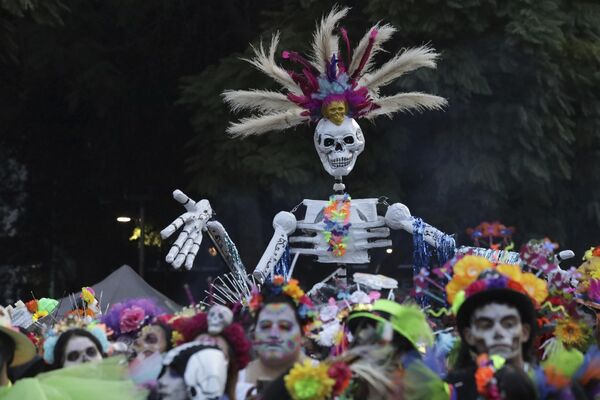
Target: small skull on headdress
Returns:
[[219, 317]]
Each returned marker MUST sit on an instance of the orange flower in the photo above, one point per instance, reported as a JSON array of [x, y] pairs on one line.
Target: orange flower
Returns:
[[293, 290], [278, 280], [535, 287], [483, 375]]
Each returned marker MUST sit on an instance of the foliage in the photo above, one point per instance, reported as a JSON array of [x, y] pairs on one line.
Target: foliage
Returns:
[[520, 141]]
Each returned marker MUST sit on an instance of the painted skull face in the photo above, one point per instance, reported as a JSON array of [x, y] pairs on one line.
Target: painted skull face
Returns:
[[206, 374], [338, 146], [497, 329], [278, 335], [150, 340], [79, 350], [171, 385], [219, 317]]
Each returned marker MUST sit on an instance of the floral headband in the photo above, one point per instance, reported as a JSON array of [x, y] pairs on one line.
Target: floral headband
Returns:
[[278, 286], [129, 317], [465, 280], [73, 322]]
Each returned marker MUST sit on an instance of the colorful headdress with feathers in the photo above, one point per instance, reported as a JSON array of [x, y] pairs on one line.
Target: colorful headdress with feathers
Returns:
[[329, 77]]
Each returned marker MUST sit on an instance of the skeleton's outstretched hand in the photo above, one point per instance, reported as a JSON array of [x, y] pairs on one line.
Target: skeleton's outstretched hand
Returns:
[[194, 222]]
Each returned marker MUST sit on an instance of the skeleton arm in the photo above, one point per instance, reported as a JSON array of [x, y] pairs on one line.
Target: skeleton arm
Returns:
[[194, 221], [284, 224], [398, 217]]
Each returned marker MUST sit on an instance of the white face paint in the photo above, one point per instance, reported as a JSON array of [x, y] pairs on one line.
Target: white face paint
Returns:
[[206, 374], [338, 145], [497, 329], [171, 386], [80, 350], [219, 317]]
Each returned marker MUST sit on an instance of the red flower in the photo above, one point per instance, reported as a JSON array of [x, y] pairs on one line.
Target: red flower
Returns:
[[341, 373], [475, 287], [32, 306], [255, 302]]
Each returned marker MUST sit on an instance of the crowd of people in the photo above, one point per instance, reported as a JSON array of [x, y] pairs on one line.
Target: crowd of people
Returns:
[[476, 329]]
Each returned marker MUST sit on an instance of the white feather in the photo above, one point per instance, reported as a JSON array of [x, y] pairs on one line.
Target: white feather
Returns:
[[403, 102], [384, 33], [401, 63], [264, 101], [265, 123], [325, 43], [266, 63]]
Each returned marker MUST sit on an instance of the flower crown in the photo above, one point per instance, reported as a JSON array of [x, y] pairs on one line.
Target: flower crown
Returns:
[[73, 322], [278, 286], [468, 279], [128, 317]]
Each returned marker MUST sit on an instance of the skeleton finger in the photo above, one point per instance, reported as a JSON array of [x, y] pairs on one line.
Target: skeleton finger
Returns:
[[309, 252], [189, 259], [184, 200], [177, 223], [185, 249], [181, 239]]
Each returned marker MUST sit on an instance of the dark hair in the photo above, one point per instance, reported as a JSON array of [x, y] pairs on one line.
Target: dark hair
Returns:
[[278, 299], [515, 384], [63, 340], [7, 349], [464, 358]]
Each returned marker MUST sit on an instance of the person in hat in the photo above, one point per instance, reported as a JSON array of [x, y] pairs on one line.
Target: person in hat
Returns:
[[15, 348], [495, 307]]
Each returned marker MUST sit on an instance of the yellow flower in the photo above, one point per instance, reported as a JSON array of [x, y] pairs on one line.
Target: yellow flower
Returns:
[[535, 287], [452, 288], [572, 332], [306, 381], [176, 338], [512, 271], [39, 314], [469, 267], [293, 290], [87, 295]]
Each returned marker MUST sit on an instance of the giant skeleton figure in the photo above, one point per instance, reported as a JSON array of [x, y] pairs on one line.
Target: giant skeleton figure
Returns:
[[332, 93]]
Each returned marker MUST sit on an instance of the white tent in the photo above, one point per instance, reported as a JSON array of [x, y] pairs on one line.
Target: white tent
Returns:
[[120, 285]]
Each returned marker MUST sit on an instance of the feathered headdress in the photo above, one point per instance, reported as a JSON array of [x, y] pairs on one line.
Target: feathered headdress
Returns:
[[329, 77]]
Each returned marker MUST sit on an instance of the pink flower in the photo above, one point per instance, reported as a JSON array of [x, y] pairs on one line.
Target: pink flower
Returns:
[[131, 319]]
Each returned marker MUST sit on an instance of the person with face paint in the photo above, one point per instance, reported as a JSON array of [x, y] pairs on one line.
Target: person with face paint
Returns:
[[496, 317], [233, 354], [75, 346], [278, 333]]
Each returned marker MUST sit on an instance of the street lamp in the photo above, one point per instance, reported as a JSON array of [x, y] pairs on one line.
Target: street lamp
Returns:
[[140, 221], [389, 250]]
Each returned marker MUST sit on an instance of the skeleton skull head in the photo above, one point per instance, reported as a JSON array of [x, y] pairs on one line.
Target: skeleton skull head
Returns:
[[497, 329], [219, 317], [206, 374], [338, 145]]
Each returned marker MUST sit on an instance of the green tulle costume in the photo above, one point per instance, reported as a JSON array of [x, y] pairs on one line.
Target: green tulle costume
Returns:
[[102, 381]]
